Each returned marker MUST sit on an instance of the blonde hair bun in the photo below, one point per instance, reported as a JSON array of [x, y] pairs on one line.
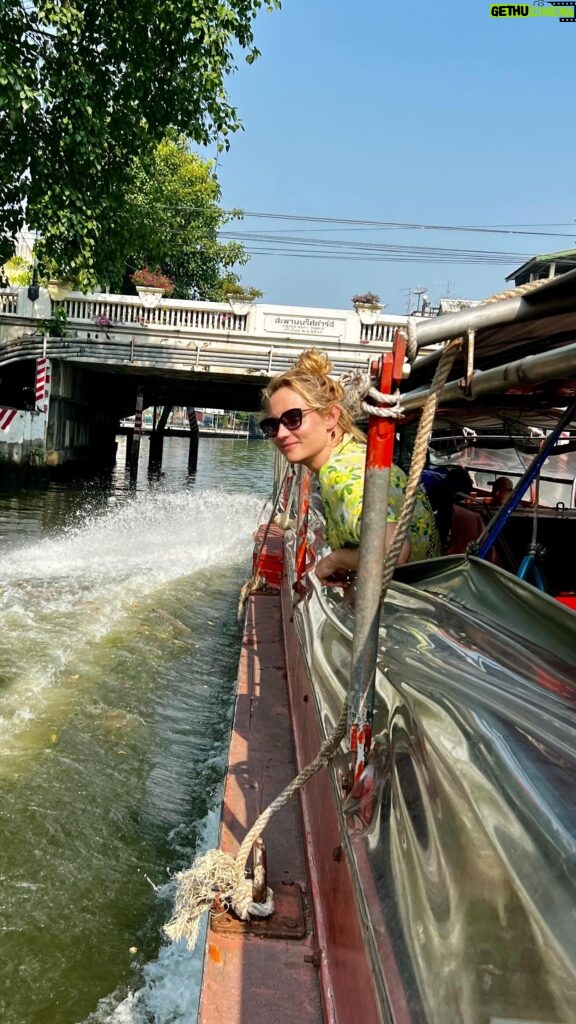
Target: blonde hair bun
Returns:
[[314, 362]]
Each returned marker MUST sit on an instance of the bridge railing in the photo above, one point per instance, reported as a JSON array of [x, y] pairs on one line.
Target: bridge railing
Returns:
[[169, 313], [8, 300], [259, 319]]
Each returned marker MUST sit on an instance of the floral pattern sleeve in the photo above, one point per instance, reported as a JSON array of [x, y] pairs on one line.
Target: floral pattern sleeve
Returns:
[[341, 482], [342, 490]]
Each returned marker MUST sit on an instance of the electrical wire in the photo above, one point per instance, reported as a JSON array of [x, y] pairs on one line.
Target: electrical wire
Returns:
[[380, 224]]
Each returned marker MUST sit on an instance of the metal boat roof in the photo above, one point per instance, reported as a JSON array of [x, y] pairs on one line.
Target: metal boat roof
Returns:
[[524, 358]]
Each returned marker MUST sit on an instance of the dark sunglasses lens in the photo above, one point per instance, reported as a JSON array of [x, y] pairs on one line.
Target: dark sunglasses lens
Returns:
[[270, 426], [291, 419]]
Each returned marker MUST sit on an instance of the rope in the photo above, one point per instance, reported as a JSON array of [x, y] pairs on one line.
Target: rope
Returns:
[[216, 873], [283, 520], [357, 387], [323, 757], [513, 293], [257, 582], [412, 346], [419, 454]]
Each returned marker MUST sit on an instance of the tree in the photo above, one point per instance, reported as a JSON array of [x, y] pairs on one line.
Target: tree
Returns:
[[170, 219], [86, 85]]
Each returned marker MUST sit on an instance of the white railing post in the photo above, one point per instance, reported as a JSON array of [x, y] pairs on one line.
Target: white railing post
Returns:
[[41, 309]]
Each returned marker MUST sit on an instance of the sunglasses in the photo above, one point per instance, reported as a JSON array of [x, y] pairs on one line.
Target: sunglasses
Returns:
[[291, 419]]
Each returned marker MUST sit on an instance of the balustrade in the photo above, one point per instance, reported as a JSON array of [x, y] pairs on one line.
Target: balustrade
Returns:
[[119, 328], [170, 313]]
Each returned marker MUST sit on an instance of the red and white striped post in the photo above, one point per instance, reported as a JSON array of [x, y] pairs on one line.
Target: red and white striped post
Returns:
[[6, 417], [42, 385]]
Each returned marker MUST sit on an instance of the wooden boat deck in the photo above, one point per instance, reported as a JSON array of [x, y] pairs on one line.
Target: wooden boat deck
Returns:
[[248, 977]]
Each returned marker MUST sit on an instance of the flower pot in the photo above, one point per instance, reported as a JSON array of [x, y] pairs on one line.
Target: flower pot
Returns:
[[59, 288], [240, 307], [368, 313], [151, 297]]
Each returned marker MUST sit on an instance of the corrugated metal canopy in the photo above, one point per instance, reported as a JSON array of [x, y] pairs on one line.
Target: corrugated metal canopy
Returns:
[[524, 359]]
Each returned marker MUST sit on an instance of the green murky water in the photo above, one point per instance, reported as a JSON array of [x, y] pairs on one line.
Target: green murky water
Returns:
[[118, 654]]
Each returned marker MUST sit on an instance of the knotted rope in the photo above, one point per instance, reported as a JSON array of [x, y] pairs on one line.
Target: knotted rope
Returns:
[[218, 874], [357, 387]]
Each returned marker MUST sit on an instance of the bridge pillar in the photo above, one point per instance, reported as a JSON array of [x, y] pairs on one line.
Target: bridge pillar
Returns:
[[157, 440], [78, 429], [194, 437]]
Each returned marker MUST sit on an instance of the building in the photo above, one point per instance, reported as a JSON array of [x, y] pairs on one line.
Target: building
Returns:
[[550, 264], [455, 305]]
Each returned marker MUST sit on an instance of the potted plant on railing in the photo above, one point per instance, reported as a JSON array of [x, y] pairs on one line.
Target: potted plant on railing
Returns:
[[241, 297], [368, 307], [151, 285]]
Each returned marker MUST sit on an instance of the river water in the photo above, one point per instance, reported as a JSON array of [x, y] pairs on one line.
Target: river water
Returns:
[[118, 656]]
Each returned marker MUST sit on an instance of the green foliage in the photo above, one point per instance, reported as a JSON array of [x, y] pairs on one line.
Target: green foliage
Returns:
[[17, 271], [171, 219], [232, 289], [87, 85], [55, 326]]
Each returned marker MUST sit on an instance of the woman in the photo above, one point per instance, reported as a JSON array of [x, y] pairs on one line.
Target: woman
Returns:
[[308, 423]]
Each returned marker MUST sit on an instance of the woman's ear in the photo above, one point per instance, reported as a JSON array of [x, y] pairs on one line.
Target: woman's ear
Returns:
[[331, 416]]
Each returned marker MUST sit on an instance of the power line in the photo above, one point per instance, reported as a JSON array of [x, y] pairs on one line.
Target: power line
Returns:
[[404, 225], [375, 258], [501, 229], [266, 238]]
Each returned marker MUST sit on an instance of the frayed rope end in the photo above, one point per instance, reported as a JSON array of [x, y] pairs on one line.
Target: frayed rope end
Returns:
[[212, 874]]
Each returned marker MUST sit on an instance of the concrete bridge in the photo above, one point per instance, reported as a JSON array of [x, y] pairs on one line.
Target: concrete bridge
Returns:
[[64, 390]]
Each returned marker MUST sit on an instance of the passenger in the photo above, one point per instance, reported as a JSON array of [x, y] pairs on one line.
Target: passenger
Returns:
[[444, 487], [308, 423], [502, 488]]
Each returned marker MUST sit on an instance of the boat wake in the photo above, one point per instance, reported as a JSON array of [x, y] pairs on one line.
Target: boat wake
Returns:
[[170, 984], [118, 654], [61, 599]]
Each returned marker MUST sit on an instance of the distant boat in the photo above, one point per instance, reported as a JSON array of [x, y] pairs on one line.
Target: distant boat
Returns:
[[183, 430]]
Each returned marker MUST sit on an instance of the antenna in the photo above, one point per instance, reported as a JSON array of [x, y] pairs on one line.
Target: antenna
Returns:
[[419, 292]]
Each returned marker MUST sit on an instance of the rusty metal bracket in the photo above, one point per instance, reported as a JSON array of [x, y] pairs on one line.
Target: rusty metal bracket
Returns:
[[287, 921], [466, 381], [259, 871]]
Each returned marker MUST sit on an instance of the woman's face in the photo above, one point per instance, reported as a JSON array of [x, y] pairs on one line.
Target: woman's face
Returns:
[[311, 443]]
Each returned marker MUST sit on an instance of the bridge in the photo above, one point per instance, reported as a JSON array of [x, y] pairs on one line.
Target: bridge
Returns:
[[65, 386]]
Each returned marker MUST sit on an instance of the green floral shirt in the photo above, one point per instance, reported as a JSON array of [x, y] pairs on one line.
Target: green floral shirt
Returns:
[[341, 482]]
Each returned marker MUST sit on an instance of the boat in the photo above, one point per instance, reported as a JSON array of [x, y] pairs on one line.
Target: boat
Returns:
[[427, 873]]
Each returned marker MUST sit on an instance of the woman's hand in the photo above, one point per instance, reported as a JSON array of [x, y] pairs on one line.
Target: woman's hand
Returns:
[[336, 567]]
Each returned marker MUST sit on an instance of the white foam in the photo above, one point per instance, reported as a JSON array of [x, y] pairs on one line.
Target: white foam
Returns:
[[170, 992], [163, 535], [61, 596]]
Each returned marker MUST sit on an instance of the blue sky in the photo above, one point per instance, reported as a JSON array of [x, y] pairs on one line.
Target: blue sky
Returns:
[[406, 112]]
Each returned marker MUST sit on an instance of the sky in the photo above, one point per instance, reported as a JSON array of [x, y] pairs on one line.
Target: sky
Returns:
[[407, 112]]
